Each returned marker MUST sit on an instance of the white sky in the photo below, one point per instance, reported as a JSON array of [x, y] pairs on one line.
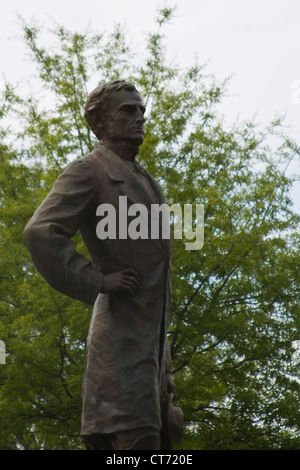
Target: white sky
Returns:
[[256, 40]]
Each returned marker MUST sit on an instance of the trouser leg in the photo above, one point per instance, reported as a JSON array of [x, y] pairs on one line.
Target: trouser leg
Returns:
[[147, 443], [135, 440]]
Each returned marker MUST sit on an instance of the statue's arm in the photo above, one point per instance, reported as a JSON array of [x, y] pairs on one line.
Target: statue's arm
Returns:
[[48, 235]]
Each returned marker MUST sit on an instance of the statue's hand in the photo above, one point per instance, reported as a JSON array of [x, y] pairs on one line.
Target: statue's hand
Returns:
[[121, 281]]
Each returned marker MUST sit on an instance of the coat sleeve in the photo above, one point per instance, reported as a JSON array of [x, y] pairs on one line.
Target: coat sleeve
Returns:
[[48, 235]]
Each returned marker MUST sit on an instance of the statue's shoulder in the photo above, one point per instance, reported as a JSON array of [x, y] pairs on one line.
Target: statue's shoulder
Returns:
[[81, 169], [95, 157]]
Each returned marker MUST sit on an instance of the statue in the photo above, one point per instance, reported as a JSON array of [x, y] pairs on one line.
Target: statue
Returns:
[[127, 383]]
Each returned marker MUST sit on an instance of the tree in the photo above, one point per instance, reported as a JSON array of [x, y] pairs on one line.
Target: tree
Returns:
[[235, 308]]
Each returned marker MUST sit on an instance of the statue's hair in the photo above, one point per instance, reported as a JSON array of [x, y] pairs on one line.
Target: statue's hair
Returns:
[[96, 103]]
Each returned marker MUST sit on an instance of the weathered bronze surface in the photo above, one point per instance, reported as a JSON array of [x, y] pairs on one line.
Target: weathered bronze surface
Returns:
[[127, 384]]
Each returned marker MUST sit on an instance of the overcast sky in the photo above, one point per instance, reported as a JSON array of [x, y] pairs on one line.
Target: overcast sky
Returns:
[[256, 40]]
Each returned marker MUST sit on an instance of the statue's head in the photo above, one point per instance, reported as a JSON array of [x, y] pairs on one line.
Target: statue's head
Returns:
[[115, 113]]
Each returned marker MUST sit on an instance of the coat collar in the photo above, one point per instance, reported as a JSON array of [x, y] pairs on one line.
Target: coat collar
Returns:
[[112, 163]]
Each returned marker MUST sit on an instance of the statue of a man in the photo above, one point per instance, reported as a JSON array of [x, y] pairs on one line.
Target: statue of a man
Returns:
[[127, 383]]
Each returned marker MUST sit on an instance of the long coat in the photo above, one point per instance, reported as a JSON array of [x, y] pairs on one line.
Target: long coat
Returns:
[[124, 383]]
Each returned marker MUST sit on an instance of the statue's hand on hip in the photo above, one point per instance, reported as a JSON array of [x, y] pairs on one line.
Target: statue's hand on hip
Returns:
[[121, 281]]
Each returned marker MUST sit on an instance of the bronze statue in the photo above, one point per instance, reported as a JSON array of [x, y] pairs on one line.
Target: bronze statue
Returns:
[[127, 383]]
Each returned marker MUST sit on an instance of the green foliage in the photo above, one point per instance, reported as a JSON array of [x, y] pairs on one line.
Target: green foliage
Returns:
[[235, 308]]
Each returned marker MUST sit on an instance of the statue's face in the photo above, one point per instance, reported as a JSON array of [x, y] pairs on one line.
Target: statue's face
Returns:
[[124, 118]]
